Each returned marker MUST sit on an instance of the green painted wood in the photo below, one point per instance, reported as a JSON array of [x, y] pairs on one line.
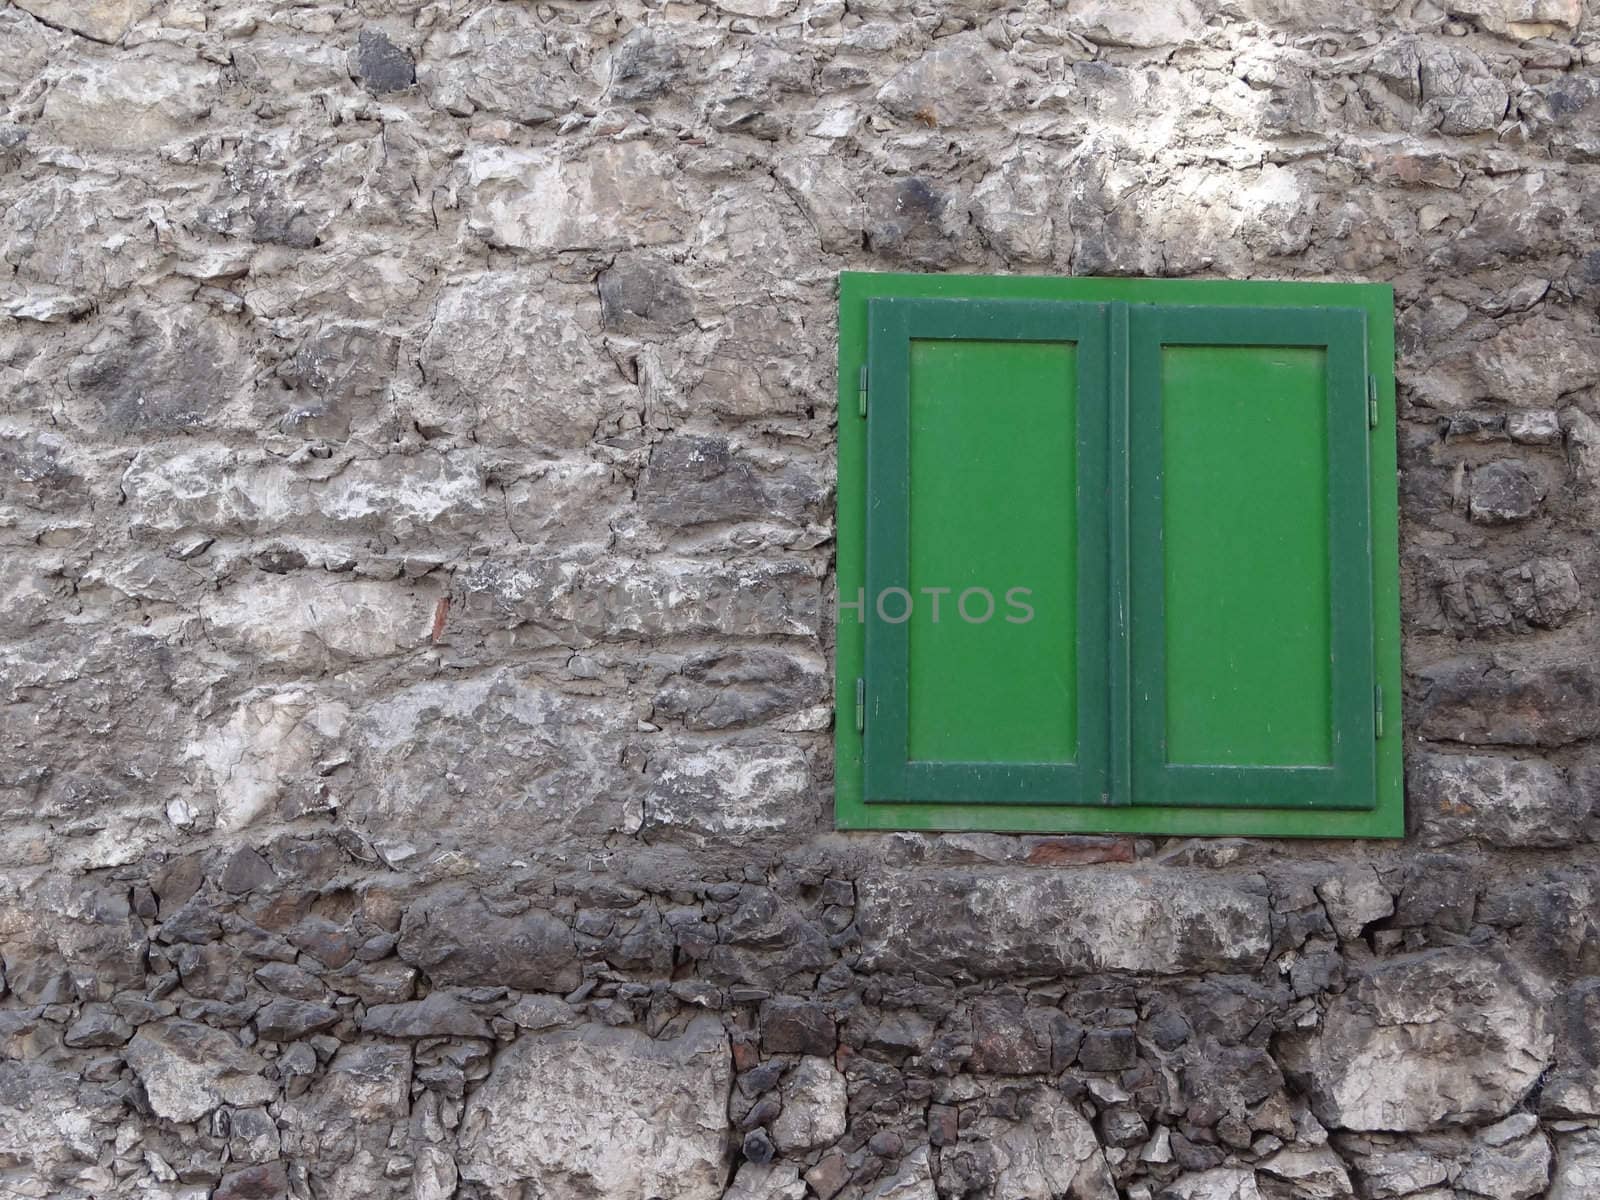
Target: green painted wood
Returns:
[[1244, 550], [852, 810], [1119, 689], [985, 584], [994, 562], [1251, 568]]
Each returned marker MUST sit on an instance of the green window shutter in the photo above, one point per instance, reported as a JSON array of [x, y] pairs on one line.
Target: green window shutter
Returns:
[[1250, 559], [986, 638], [1193, 485]]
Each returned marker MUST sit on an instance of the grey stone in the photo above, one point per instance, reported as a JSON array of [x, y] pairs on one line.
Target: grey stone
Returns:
[[500, 60], [1438, 893], [913, 1180], [159, 373], [813, 1107], [492, 387], [1534, 363], [1523, 18], [962, 77], [826, 192], [1317, 1174], [612, 197], [1577, 1170], [340, 377], [290, 1020], [1543, 591], [1386, 1169], [1510, 1159], [665, 1100], [645, 65], [797, 1027], [997, 923], [1502, 801], [1504, 492], [781, 1181], [1010, 1037], [380, 65], [188, 1070], [366, 1083], [1107, 1050], [1051, 1152], [1536, 427], [253, 1136], [912, 221], [455, 939], [434, 1176], [1424, 1041], [1223, 1183], [440, 1014], [741, 687], [102, 21], [700, 480], [1137, 22], [715, 793], [638, 294], [1354, 899], [289, 980], [1015, 208], [757, 1147], [245, 872], [97, 1025], [267, 1181], [131, 102], [1462, 96], [1501, 701]]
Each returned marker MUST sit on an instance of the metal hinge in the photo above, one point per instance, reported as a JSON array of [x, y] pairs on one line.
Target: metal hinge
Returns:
[[1377, 711], [861, 390], [1372, 401], [861, 705]]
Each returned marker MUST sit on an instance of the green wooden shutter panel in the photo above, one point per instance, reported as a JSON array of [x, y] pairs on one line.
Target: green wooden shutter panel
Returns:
[[976, 410], [1189, 494], [1251, 576]]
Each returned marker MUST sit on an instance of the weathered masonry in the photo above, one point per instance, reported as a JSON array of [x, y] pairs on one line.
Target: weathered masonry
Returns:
[[419, 553]]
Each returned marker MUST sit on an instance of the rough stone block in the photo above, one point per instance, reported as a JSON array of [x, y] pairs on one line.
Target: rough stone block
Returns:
[[1504, 492], [589, 1092], [1424, 1041], [129, 103], [814, 1103], [1500, 701], [1500, 801], [1068, 922], [960, 80], [1577, 1172], [366, 1082], [611, 197], [725, 793], [514, 360], [454, 937], [188, 1070]]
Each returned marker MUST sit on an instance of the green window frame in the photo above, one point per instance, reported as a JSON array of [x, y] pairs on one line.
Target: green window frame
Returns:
[[1104, 436]]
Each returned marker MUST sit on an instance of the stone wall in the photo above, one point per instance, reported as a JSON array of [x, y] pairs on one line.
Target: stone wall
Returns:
[[416, 501]]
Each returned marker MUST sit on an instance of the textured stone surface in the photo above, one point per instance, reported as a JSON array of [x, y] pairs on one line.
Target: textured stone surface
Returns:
[[813, 1107], [1440, 1038], [1509, 802], [417, 483], [619, 1114], [187, 1070], [1075, 922], [1577, 1171], [456, 939]]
